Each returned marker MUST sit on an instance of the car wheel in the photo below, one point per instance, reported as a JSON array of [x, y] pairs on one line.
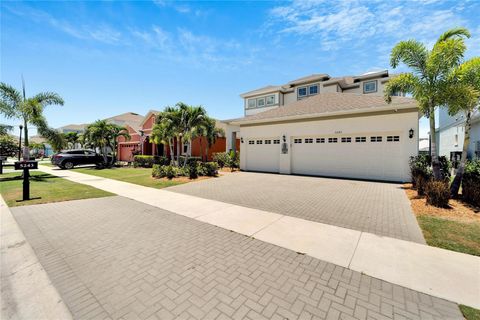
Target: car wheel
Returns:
[[68, 165]]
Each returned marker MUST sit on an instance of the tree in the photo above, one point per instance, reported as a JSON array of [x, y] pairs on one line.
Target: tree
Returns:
[[463, 95], [71, 138], [8, 146], [192, 119], [15, 104], [36, 147], [211, 132], [166, 129], [429, 76], [4, 129], [104, 135]]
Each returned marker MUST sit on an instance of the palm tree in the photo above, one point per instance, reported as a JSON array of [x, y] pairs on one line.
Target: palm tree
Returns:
[[117, 131], [463, 95], [211, 132], [164, 131], [429, 76], [71, 138], [192, 118], [15, 104]]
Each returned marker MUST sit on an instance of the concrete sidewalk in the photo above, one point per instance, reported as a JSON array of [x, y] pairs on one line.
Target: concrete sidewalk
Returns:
[[27, 292], [437, 272]]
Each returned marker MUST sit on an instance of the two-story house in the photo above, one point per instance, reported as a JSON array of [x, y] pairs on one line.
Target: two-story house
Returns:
[[328, 126], [451, 134]]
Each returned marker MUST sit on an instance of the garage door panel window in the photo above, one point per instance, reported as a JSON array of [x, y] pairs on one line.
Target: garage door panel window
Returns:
[[393, 138], [320, 140], [259, 141], [297, 140], [268, 141], [251, 142], [360, 139], [332, 140], [346, 139], [308, 140], [376, 139], [276, 141]]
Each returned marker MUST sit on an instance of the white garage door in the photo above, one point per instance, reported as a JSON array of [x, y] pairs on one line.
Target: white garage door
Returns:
[[263, 154], [365, 156]]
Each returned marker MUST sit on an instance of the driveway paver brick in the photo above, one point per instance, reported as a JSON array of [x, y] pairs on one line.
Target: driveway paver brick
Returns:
[[116, 258], [375, 207]]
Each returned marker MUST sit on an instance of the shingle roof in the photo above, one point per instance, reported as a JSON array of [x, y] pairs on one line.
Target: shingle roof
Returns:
[[312, 77], [266, 89], [324, 104], [128, 118]]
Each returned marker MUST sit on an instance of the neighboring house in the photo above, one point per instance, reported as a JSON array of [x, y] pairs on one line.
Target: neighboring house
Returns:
[[78, 128], [325, 126], [451, 133], [140, 142], [46, 152], [424, 146]]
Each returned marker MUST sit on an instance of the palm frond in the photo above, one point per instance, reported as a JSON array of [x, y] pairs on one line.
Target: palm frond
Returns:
[[48, 98], [410, 52], [402, 83], [454, 32], [11, 100]]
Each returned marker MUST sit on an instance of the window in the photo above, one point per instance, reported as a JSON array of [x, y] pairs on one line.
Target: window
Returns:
[[276, 141], [375, 139], [251, 142], [456, 140], [320, 140], [346, 139], [393, 138], [302, 92], [252, 103], [360, 139], [307, 91], [297, 140], [332, 140], [259, 141], [261, 102], [268, 141], [185, 147], [370, 86], [308, 140], [270, 100]]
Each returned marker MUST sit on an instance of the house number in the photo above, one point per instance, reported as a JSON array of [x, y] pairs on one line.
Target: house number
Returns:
[[339, 131]]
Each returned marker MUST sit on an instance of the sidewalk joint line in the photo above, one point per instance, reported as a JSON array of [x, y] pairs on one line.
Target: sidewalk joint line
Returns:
[[355, 250]]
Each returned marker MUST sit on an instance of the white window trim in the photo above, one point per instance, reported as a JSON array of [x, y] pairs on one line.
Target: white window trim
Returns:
[[307, 90], [248, 103], [266, 100], [367, 82]]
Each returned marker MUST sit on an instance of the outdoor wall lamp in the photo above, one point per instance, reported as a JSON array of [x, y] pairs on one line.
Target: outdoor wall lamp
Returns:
[[284, 138], [410, 133], [241, 139]]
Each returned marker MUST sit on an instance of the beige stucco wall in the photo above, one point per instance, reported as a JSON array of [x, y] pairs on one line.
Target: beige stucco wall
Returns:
[[395, 124]]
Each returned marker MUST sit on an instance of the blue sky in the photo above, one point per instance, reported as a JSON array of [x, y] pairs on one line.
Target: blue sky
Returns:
[[106, 58]]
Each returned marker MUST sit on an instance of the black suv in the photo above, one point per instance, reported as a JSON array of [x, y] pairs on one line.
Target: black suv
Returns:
[[68, 159]]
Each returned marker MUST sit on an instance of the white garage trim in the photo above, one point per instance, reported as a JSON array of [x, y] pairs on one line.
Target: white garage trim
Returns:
[[262, 154]]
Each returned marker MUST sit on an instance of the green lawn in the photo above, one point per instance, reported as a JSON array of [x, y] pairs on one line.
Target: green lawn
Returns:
[[470, 313], [452, 235], [141, 176], [49, 188]]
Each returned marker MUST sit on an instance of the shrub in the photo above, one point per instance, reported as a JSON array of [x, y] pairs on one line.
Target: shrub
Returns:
[[211, 168], [437, 193], [233, 160], [189, 160], [471, 183], [191, 169], [421, 165], [169, 171], [221, 158], [148, 161]]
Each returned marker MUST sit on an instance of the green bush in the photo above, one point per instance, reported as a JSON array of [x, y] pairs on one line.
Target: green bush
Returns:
[[221, 158], [169, 171], [189, 160], [191, 169], [421, 164], [233, 160], [437, 193], [143, 161], [471, 183], [209, 169]]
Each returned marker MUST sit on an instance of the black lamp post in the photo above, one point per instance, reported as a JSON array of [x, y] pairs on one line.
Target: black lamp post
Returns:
[[20, 143]]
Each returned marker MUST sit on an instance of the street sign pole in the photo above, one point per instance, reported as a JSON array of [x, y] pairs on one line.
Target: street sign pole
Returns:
[[26, 185]]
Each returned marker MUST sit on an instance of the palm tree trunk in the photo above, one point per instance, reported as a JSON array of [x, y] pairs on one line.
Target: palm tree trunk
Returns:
[[170, 146], [455, 187], [178, 151], [433, 142], [26, 150]]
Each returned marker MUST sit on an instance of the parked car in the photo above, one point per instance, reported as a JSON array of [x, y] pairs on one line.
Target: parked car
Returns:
[[67, 159]]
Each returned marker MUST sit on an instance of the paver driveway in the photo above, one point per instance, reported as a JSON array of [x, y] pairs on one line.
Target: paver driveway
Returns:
[[375, 207], [120, 259]]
